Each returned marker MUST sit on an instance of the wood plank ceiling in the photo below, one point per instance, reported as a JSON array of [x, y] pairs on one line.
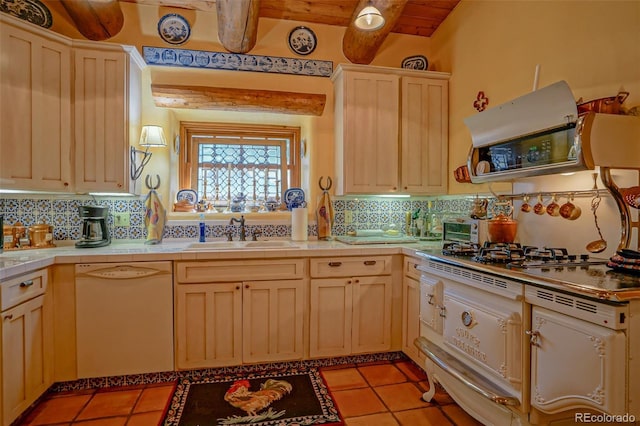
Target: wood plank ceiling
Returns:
[[419, 17]]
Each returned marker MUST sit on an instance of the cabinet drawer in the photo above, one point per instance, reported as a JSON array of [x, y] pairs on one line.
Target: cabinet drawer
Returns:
[[23, 287], [351, 266], [411, 267], [240, 270]]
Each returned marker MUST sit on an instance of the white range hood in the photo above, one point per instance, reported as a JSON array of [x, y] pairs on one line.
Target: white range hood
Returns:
[[541, 133]]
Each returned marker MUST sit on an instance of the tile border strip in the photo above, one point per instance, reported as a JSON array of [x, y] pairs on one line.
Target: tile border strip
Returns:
[[171, 376], [187, 58]]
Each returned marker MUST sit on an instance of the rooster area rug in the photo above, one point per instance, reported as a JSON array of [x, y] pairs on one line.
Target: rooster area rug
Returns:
[[272, 398]]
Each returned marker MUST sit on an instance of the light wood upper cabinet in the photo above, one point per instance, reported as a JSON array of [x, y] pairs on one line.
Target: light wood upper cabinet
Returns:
[[424, 135], [391, 130], [35, 111], [44, 77], [107, 115]]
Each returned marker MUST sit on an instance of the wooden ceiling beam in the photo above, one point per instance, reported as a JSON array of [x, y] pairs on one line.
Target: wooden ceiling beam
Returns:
[[232, 99], [360, 46], [96, 20], [238, 24]]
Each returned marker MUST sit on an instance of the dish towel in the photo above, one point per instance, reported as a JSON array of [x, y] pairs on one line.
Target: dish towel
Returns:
[[154, 218]]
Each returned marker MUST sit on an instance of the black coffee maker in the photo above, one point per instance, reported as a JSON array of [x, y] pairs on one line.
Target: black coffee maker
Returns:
[[94, 227]]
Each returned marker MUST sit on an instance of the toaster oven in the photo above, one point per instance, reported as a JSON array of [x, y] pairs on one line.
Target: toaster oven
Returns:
[[465, 230]]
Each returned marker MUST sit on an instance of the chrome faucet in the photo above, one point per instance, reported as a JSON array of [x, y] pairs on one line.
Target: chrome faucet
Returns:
[[243, 235]]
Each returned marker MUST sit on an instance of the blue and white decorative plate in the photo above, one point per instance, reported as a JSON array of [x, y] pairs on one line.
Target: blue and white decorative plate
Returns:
[[293, 198], [30, 10], [187, 194], [174, 28], [302, 40], [417, 62]]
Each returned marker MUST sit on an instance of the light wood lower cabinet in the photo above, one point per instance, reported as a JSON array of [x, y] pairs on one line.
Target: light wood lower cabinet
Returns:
[[411, 309], [350, 314], [239, 321], [26, 346]]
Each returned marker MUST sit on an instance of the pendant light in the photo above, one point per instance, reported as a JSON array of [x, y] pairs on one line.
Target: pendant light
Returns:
[[369, 18]]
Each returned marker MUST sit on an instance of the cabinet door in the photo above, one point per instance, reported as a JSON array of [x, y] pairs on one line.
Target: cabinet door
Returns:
[[576, 365], [410, 317], [35, 111], [371, 323], [330, 317], [26, 356], [101, 120], [208, 325], [272, 320], [431, 301], [367, 133], [424, 135]]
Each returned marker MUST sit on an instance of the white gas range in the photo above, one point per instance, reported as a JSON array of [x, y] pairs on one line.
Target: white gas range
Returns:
[[541, 340]]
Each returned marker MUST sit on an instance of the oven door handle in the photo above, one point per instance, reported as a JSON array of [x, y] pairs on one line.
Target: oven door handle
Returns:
[[468, 377]]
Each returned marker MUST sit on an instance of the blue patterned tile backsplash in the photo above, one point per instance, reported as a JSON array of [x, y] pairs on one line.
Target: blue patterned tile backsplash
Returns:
[[366, 213]]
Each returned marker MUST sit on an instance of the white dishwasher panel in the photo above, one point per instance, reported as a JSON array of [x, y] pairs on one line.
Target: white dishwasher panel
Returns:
[[124, 318]]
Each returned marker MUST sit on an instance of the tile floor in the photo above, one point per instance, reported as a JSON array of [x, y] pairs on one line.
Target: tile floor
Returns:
[[378, 394]]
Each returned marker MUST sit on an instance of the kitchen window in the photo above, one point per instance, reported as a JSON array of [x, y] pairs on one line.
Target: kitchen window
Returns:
[[229, 161]]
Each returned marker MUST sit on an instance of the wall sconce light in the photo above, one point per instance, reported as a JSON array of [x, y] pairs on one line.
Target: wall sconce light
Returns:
[[369, 18], [151, 136]]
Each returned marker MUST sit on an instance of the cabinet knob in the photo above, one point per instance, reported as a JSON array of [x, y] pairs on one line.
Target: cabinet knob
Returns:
[[369, 262], [394, 188], [119, 185], [406, 187], [430, 299], [335, 264], [66, 184], [246, 286], [357, 281], [28, 283], [348, 281], [237, 287], [8, 317]]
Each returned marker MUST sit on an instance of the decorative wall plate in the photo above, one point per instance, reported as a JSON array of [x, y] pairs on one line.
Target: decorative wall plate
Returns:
[[174, 28], [30, 10], [302, 40], [187, 194], [417, 62]]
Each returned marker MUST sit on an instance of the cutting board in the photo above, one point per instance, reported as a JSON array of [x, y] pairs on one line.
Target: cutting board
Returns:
[[376, 240]]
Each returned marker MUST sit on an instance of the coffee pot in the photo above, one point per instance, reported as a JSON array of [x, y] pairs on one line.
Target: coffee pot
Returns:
[[94, 227]]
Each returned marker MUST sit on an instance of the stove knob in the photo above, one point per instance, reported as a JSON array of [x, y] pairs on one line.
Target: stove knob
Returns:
[[584, 257], [572, 257]]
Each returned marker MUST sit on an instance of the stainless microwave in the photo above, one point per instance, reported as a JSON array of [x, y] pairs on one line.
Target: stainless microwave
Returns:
[[465, 230]]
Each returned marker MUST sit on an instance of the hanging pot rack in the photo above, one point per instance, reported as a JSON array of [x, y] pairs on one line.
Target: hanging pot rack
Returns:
[[627, 224]]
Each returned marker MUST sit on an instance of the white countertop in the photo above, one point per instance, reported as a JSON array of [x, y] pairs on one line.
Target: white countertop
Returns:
[[17, 262]]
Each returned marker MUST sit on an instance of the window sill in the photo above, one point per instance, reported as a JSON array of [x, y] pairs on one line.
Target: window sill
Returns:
[[277, 216]]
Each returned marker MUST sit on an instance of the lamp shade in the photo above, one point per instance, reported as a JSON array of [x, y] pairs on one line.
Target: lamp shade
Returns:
[[369, 19], [152, 136]]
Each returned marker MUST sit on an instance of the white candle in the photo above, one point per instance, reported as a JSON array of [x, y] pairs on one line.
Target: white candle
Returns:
[[266, 184], [229, 182], [254, 183]]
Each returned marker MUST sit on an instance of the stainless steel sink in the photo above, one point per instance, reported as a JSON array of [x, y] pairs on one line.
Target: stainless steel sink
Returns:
[[240, 245]]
